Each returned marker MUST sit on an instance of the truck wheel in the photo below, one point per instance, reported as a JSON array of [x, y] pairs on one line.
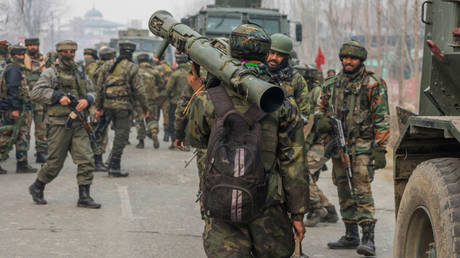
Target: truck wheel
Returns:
[[428, 222]]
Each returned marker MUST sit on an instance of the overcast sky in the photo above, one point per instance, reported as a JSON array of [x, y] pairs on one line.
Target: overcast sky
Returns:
[[124, 11]]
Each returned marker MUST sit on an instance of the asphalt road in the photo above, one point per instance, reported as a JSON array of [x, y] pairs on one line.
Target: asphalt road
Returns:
[[152, 213]]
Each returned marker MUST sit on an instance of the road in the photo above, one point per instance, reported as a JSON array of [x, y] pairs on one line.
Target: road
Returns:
[[152, 213]]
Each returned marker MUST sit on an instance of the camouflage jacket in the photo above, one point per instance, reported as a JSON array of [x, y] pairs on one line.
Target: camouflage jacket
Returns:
[[295, 86], [151, 80], [360, 100], [282, 151], [91, 70], [121, 88], [164, 71], [54, 83], [177, 83]]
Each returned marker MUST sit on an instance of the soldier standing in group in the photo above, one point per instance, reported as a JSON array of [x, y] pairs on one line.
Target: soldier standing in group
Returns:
[[14, 90], [51, 89], [139, 120], [271, 234], [330, 73], [161, 102], [151, 79], [119, 85], [91, 65], [283, 72], [359, 99], [105, 55], [35, 63], [177, 83]]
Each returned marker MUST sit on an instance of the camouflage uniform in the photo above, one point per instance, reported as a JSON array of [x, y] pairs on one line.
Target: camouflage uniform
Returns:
[[35, 64], [119, 85], [161, 101], [270, 235], [15, 92]]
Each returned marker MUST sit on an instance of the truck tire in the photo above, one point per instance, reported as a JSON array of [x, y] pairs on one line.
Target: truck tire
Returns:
[[428, 222]]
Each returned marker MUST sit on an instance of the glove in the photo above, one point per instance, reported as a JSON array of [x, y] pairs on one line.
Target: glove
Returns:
[[323, 125], [379, 158]]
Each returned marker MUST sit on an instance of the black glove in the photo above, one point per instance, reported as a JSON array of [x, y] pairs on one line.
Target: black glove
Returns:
[[378, 155]]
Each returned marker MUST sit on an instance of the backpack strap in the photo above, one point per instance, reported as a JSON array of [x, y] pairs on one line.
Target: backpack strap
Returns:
[[254, 115], [222, 102]]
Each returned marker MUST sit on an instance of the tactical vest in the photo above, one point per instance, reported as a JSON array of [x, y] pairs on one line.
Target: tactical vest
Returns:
[[67, 82], [116, 88], [23, 90]]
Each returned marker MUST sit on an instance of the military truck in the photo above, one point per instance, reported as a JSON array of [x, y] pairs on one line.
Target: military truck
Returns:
[[220, 19], [145, 43], [427, 153]]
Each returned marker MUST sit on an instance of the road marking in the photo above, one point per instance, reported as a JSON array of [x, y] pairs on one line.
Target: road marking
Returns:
[[126, 210]]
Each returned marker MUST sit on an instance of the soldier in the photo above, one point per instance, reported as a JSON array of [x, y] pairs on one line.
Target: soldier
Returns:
[[119, 85], [51, 89], [359, 99], [177, 84], [151, 79], [35, 63], [278, 62], [16, 94], [330, 73], [161, 102], [91, 58], [271, 233], [105, 55], [145, 72]]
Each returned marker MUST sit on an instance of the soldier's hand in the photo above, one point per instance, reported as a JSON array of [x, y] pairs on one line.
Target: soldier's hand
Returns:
[[299, 229], [15, 114], [64, 101], [99, 113], [82, 104], [179, 144]]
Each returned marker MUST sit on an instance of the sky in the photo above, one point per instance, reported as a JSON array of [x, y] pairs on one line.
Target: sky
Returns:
[[126, 10]]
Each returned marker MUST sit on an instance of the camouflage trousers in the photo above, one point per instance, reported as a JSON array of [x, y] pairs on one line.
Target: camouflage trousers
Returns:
[[152, 119], [41, 143], [161, 104], [61, 141], [362, 209], [270, 235], [102, 142], [315, 161], [22, 142], [139, 122], [121, 124]]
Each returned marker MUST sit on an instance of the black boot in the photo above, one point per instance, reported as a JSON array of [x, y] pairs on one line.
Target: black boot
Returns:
[[114, 168], [41, 157], [85, 200], [332, 216], [315, 216], [156, 143], [350, 240], [367, 246], [23, 167], [166, 135], [36, 190], [2, 171], [98, 165], [140, 145]]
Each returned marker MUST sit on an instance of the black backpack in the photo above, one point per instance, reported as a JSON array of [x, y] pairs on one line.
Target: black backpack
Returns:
[[234, 183]]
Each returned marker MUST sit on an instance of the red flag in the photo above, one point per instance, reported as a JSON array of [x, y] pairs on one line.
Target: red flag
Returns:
[[320, 59]]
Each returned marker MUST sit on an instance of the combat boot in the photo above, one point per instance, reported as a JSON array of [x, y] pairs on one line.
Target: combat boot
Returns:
[[315, 216], [98, 165], [22, 167], [140, 145], [166, 136], [156, 143], [36, 190], [332, 216], [41, 157], [114, 168], [350, 240], [85, 200], [2, 171], [367, 246]]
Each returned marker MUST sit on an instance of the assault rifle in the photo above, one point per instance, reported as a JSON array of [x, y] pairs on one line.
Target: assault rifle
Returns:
[[339, 144], [83, 120], [101, 126]]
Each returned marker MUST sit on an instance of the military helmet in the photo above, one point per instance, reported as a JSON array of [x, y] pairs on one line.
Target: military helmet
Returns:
[[90, 51], [18, 50], [143, 58], [66, 45], [127, 45], [353, 49], [281, 43], [107, 53], [32, 41], [249, 41]]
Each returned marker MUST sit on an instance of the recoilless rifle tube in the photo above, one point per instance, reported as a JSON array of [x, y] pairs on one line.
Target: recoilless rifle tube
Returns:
[[268, 97]]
